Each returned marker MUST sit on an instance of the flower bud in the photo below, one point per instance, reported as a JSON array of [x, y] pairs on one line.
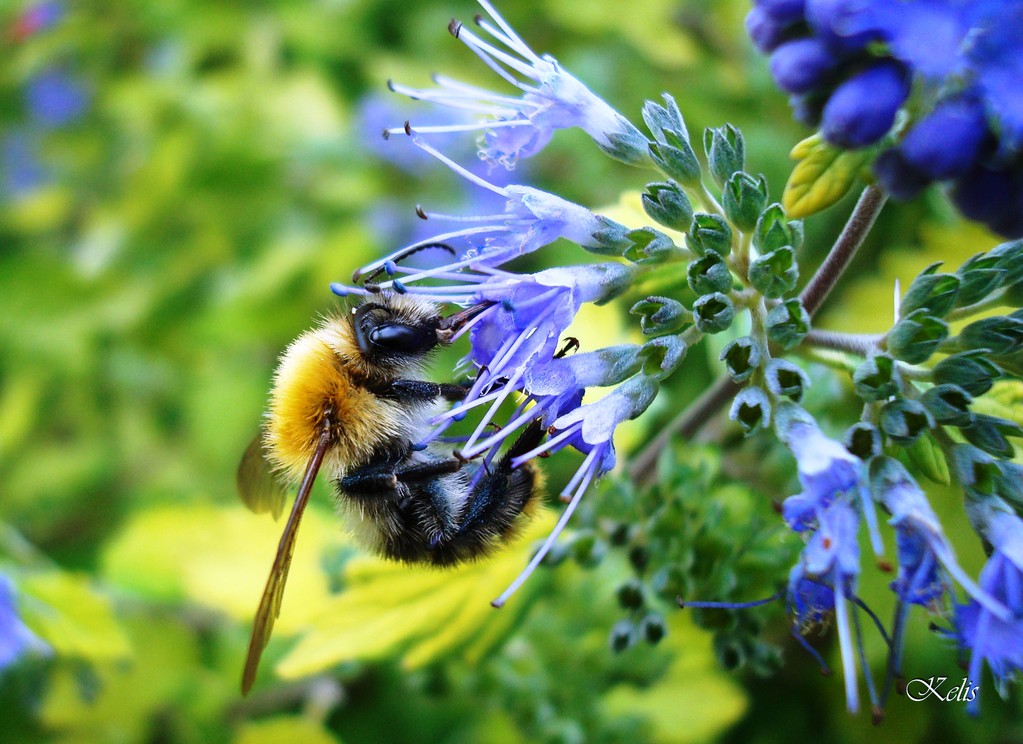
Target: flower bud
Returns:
[[751, 409], [989, 434], [662, 356], [979, 276], [863, 440], [776, 273], [709, 274], [998, 334], [660, 315], [743, 199], [914, 338], [709, 232], [788, 323], [649, 246], [785, 378], [971, 371], [903, 420], [774, 230], [668, 205], [948, 404], [713, 313], [877, 378], [726, 152], [801, 65], [861, 110], [935, 292], [741, 358]]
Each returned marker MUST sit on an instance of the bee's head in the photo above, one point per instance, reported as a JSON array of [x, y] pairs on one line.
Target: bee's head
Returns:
[[396, 331]]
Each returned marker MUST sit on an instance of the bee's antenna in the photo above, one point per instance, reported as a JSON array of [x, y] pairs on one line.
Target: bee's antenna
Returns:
[[407, 253]]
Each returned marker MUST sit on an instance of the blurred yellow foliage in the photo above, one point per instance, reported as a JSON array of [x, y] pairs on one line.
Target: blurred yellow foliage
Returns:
[[414, 613]]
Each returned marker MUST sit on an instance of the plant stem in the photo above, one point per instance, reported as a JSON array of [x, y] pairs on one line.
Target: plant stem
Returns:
[[861, 344], [842, 252]]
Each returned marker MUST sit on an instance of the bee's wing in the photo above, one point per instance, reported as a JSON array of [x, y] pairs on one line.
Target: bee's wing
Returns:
[[258, 486], [270, 604]]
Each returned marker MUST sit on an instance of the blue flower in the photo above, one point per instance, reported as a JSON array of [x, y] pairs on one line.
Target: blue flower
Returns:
[[19, 163], [996, 640], [827, 471], [801, 65], [824, 581], [54, 98], [531, 219], [519, 126], [992, 195], [16, 639], [862, 109], [851, 63], [590, 429], [38, 17], [923, 552]]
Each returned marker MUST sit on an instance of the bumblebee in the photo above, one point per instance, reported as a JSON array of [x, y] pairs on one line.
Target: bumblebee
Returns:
[[347, 400]]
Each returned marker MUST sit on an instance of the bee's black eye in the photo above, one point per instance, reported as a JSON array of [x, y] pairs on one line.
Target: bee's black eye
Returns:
[[403, 339]]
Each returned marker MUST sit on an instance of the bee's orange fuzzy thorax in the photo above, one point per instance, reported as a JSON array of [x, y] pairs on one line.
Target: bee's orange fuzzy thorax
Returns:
[[310, 379]]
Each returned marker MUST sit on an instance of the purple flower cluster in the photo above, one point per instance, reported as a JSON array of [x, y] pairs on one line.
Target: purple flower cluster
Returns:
[[517, 351], [851, 65], [836, 494], [518, 354], [991, 636], [828, 512]]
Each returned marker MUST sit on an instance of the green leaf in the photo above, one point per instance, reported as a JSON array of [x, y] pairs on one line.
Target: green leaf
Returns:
[[927, 457], [693, 673], [823, 175], [73, 617], [285, 728]]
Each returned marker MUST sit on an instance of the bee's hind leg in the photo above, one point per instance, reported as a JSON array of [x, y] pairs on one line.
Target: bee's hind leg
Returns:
[[499, 497]]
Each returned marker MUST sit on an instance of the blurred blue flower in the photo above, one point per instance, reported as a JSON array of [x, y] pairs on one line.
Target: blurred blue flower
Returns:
[[36, 18], [20, 168], [517, 127], [862, 108], [922, 549], [54, 98], [988, 637], [16, 639]]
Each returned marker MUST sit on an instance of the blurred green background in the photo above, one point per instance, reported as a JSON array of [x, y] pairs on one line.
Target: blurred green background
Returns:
[[180, 183]]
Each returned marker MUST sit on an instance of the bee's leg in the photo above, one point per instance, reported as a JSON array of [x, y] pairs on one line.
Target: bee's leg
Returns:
[[498, 498], [424, 391], [429, 498], [365, 482], [428, 470]]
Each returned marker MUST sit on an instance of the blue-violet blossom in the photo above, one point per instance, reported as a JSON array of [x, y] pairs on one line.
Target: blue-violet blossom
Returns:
[[988, 637], [520, 126]]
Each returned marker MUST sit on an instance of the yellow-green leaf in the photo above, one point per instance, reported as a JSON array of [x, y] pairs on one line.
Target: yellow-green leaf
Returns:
[[927, 456], [220, 557], [416, 614], [823, 175], [73, 617], [285, 728], [1004, 400], [117, 701]]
